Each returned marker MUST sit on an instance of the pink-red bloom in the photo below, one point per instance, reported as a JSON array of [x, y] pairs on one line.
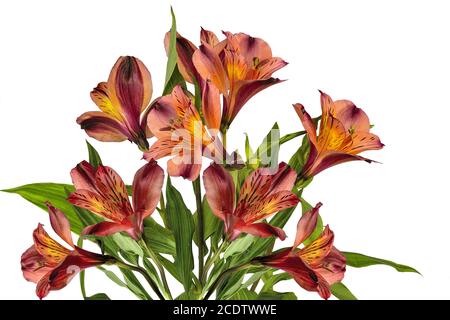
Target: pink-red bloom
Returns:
[[176, 123], [124, 102], [237, 67], [102, 191], [343, 134], [51, 265], [263, 193], [317, 265]]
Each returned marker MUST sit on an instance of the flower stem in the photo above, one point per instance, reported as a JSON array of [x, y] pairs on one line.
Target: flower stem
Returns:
[[224, 138], [201, 229], [152, 284], [152, 255], [212, 260], [222, 277]]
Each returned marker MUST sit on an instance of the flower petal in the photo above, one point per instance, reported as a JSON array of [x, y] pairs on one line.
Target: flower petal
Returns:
[[249, 47], [363, 141], [244, 91], [106, 228], [185, 50], [306, 225], [161, 148], [97, 204], [307, 122], [47, 247], [177, 167], [102, 127], [352, 117], [333, 267], [83, 177], [266, 68], [34, 265], [60, 224], [262, 230], [147, 184], [209, 66], [208, 37], [314, 253], [211, 106], [102, 98], [219, 190], [113, 189]]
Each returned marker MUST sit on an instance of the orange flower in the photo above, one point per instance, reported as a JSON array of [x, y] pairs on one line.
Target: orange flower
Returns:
[[124, 102], [51, 265], [176, 123], [316, 266], [262, 194], [102, 191], [343, 134], [238, 68]]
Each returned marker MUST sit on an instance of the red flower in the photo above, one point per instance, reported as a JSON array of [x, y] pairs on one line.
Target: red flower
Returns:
[[317, 265], [343, 134], [102, 191], [124, 101], [51, 265], [262, 194]]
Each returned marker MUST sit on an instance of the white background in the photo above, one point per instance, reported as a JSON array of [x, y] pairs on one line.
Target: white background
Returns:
[[391, 58]]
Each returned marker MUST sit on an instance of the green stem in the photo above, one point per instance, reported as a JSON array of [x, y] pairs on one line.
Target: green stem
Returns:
[[212, 260], [152, 284], [201, 229], [291, 136], [162, 205], [224, 138], [222, 277], [152, 255]]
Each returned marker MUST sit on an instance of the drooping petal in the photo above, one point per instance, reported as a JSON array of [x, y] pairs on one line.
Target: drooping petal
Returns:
[[306, 225], [211, 106], [83, 177], [60, 224], [34, 265], [106, 228], [314, 253], [332, 268], [283, 179], [244, 91], [113, 189], [262, 230], [363, 141], [147, 185], [219, 190], [209, 66], [102, 127], [307, 122], [161, 148], [47, 247], [178, 167]]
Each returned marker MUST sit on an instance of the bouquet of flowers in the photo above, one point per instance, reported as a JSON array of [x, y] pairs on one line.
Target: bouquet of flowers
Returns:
[[243, 201]]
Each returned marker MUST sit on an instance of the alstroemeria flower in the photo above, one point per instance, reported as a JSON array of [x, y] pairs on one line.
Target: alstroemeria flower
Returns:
[[316, 266], [124, 102], [343, 134], [176, 123], [51, 265], [238, 68], [263, 193], [102, 191]]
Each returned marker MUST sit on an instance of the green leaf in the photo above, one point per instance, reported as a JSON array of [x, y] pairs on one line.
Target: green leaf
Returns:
[[113, 277], [340, 291], [244, 294], [173, 75], [158, 238], [239, 245], [127, 244], [94, 157], [299, 158], [269, 282], [98, 296], [212, 224], [358, 260], [188, 296], [181, 223], [267, 152], [135, 285], [273, 295], [39, 193]]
